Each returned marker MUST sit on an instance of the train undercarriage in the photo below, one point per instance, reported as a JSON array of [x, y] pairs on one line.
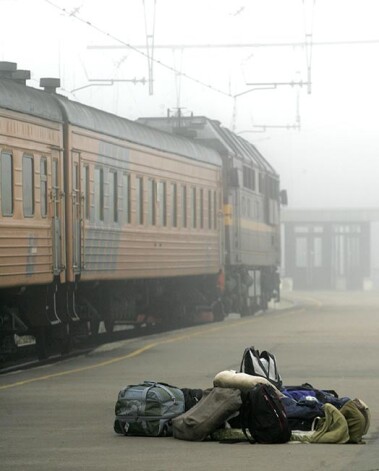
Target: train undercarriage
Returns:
[[59, 316]]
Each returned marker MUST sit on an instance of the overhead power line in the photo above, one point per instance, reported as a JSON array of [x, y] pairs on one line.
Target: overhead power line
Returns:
[[108, 82], [303, 44], [123, 44]]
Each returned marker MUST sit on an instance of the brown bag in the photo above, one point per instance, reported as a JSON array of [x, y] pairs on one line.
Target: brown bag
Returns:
[[208, 415]]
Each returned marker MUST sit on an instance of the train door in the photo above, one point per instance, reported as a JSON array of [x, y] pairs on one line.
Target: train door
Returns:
[[232, 218], [57, 201], [76, 213]]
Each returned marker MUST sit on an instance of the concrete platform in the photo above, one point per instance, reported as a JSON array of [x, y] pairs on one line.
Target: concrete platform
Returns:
[[60, 417]]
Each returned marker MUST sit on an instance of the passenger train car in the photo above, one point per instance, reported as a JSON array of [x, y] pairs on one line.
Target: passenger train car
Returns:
[[103, 219]]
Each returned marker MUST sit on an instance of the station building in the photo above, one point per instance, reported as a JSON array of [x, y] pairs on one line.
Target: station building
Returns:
[[330, 249]]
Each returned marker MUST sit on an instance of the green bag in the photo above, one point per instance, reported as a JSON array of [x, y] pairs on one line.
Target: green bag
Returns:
[[147, 409], [332, 428], [357, 415]]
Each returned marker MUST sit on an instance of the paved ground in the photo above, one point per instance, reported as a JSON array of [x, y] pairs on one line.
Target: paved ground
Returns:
[[59, 417]]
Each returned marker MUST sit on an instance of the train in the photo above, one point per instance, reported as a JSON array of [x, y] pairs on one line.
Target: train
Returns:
[[107, 221]]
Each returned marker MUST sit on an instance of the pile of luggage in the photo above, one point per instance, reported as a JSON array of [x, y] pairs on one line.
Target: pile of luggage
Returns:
[[251, 405]]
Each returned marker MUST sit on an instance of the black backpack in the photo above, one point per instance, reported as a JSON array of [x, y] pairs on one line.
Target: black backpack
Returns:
[[263, 416], [263, 364]]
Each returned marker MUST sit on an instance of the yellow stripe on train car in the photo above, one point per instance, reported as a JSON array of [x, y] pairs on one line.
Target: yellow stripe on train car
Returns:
[[246, 223], [257, 226], [228, 215]]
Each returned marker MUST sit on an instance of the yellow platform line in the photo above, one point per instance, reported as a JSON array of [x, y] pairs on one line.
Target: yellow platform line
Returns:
[[118, 359], [132, 354]]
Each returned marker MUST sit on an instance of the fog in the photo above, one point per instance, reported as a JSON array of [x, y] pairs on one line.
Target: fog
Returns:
[[320, 133]]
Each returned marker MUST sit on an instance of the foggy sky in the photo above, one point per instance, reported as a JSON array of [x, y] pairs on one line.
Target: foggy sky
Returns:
[[331, 161]]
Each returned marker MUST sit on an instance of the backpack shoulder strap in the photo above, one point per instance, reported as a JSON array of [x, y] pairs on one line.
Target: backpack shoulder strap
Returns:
[[272, 369], [246, 352]]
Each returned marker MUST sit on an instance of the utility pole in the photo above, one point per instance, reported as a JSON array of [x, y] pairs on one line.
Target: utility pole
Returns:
[[308, 6], [150, 32]]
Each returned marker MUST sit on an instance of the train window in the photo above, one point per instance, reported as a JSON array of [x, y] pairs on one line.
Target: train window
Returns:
[[248, 178], [126, 192], [269, 187], [86, 192], [174, 205], [162, 200], [75, 182], [99, 194], [43, 186], [243, 204], [55, 189], [164, 204], [28, 185], [6, 172], [276, 189], [139, 200], [201, 208], [260, 183], [184, 206], [272, 188], [151, 199], [209, 209], [113, 195], [193, 207], [272, 211], [215, 210]]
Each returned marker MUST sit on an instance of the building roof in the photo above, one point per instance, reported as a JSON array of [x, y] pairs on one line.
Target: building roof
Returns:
[[330, 215]]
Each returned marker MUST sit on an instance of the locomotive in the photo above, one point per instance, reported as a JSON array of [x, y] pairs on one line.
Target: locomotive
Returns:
[[113, 221]]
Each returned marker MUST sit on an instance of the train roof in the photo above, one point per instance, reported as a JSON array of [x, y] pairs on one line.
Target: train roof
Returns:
[[211, 132], [19, 97], [101, 121], [246, 149]]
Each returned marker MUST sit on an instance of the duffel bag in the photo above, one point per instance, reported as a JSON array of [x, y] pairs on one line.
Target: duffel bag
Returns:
[[147, 409], [208, 415]]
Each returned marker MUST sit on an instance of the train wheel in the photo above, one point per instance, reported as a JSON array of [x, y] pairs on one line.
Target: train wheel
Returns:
[[180, 317], [218, 311], [42, 349], [264, 302], [65, 339], [109, 325], [94, 326]]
